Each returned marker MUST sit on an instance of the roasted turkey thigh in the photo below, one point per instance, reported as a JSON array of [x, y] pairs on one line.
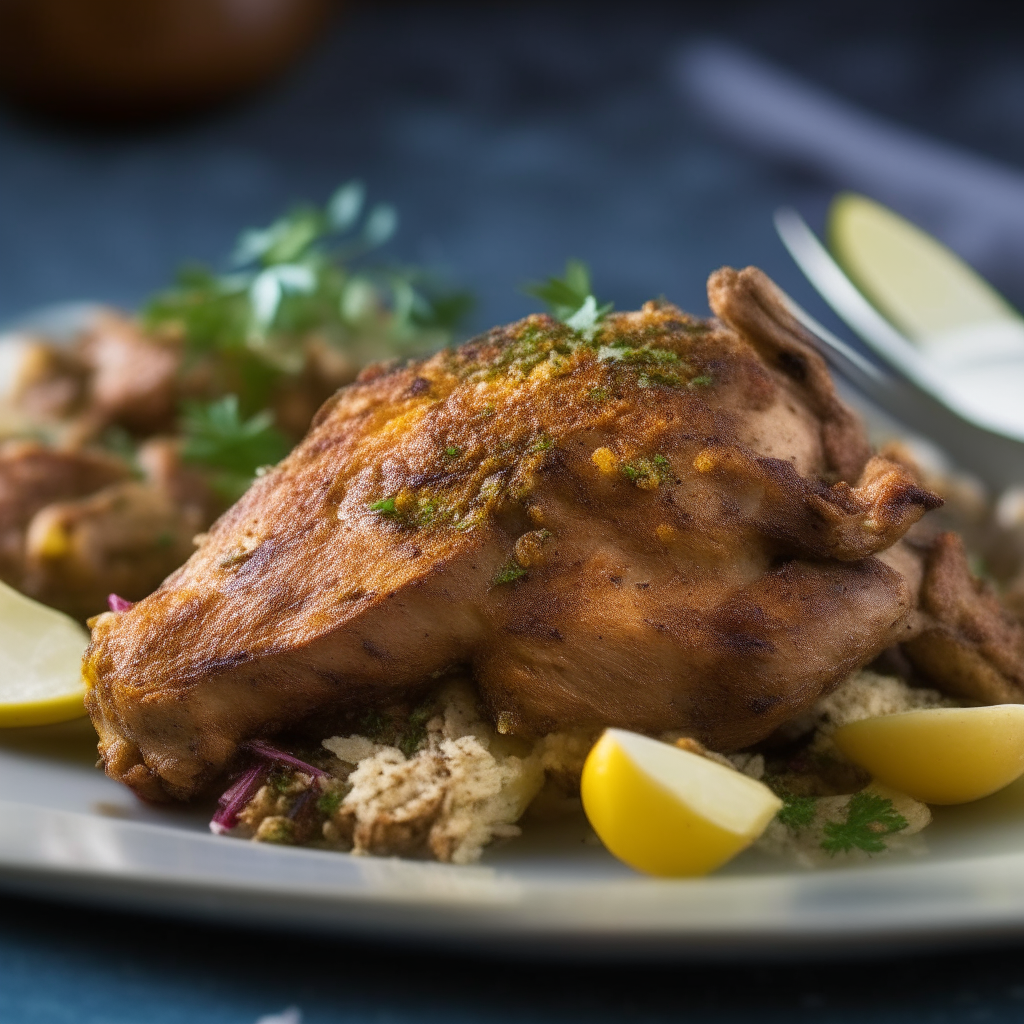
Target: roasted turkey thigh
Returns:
[[669, 525]]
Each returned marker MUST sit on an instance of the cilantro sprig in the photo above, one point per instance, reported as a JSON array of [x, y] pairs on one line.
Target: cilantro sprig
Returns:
[[571, 299]]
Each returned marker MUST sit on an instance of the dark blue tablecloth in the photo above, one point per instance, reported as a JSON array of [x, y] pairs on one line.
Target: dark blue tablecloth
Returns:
[[510, 137]]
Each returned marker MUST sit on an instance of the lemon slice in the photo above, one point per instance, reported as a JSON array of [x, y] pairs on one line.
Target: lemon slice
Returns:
[[40, 662], [666, 811], [940, 755], [921, 286]]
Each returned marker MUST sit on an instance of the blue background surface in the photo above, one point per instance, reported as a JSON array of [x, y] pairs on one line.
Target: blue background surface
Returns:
[[510, 137]]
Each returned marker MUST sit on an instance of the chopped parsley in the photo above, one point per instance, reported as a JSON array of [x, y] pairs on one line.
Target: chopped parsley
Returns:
[[416, 731], [279, 781], [508, 573], [329, 803], [386, 507], [869, 819], [376, 726], [636, 356], [646, 473]]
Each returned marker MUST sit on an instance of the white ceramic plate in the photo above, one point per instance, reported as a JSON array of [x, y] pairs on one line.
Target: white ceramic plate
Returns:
[[68, 832]]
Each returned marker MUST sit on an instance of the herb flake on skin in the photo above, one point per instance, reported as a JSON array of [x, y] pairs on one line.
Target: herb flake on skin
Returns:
[[636, 356], [508, 573], [647, 474], [869, 819]]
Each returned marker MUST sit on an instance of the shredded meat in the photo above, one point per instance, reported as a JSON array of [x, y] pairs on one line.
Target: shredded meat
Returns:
[[676, 525]]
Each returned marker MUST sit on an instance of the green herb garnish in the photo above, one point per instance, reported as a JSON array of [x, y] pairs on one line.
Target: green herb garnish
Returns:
[[329, 803], [376, 727], [636, 356], [869, 818], [797, 811], [216, 437], [650, 472], [571, 299], [279, 781], [306, 272], [508, 573], [386, 507], [416, 732]]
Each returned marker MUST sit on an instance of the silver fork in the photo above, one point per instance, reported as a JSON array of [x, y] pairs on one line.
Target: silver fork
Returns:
[[996, 459]]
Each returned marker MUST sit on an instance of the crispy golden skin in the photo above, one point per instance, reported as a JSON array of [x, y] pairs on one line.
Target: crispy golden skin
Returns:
[[668, 526]]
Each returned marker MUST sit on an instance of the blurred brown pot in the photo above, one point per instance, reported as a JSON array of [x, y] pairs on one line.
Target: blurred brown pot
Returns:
[[137, 59]]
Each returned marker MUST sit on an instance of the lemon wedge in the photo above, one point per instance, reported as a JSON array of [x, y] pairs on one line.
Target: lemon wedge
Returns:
[[940, 755], [40, 662], [921, 286], [666, 811]]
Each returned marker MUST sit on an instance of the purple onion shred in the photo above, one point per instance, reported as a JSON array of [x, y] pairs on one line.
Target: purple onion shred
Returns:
[[118, 604], [242, 790], [271, 753]]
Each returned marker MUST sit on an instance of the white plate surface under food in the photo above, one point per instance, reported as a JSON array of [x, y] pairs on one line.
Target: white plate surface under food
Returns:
[[68, 832]]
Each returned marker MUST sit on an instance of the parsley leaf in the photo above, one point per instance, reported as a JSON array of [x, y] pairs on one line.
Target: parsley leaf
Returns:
[[869, 818], [570, 299], [217, 438], [797, 812]]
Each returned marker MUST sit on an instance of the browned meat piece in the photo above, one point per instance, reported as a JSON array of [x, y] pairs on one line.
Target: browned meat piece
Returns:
[[672, 526], [50, 383], [123, 539], [968, 642], [32, 476], [133, 378]]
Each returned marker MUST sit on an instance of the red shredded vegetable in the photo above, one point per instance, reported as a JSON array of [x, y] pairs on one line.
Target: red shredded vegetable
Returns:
[[271, 753], [244, 788], [118, 604], [234, 799]]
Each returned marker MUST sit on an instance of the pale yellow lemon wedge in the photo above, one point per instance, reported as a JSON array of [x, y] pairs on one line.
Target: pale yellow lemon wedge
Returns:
[[921, 286], [940, 755], [40, 662], [666, 811]]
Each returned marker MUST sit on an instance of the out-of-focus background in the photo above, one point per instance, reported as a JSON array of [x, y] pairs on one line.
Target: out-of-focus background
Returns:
[[510, 136]]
